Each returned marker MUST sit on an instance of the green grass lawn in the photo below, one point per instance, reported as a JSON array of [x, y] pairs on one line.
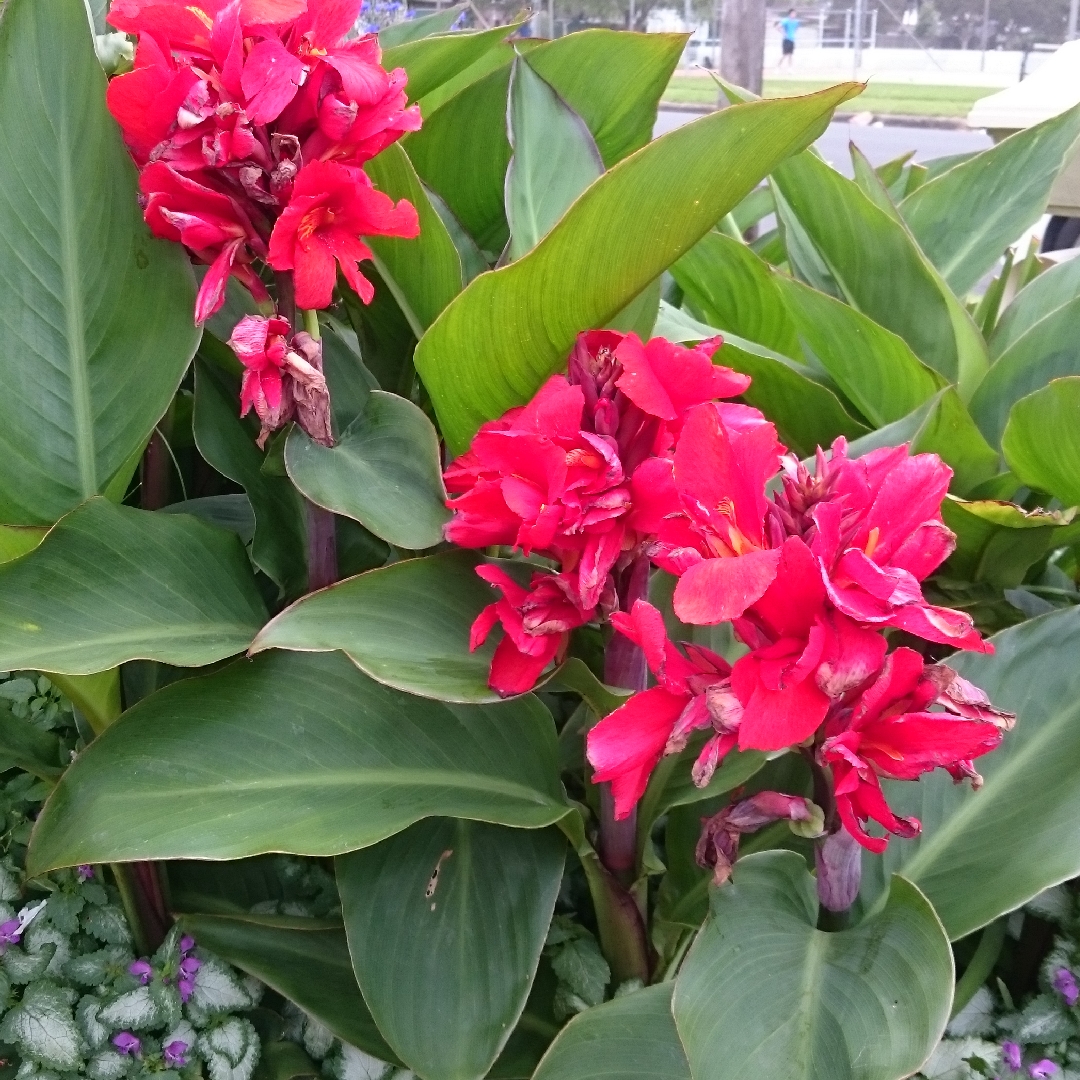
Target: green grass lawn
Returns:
[[901, 99]]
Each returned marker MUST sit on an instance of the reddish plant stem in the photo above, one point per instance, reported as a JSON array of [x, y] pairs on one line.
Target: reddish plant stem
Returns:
[[321, 532], [624, 666], [154, 474], [321, 547]]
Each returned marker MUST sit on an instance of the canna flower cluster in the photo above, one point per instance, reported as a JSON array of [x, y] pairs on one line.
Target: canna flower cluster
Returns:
[[250, 122], [631, 456], [571, 477]]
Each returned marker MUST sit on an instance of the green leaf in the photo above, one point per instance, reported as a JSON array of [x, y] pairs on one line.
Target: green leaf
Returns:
[[983, 853], [17, 540], [309, 965], [447, 978], [283, 1060], [555, 158], [1041, 443], [880, 270], [347, 376], [294, 753], [964, 218], [1052, 289], [1049, 350], [110, 583], [96, 315], [630, 1038], [869, 1003], [28, 747], [280, 545], [736, 291], [384, 472], [400, 33], [231, 512], [806, 413], [508, 331], [462, 151], [620, 108], [424, 273], [998, 542], [431, 61], [875, 368], [406, 625]]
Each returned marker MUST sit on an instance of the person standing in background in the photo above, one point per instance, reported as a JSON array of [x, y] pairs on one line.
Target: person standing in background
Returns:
[[788, 26]]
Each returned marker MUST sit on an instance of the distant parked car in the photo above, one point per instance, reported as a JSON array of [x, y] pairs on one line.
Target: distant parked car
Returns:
[[1052, 89]]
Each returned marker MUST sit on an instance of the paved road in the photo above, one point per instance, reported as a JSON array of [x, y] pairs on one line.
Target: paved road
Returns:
[[878, 144]]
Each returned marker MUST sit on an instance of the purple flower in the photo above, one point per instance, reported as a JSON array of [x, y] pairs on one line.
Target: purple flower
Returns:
[[188, 966], [142, 970], [176, 1054], [1064, 982], [1042, 1069], [10, 932], [186, 988], [126, 1043], [84, 872], [1010, 1053], [187, 943]]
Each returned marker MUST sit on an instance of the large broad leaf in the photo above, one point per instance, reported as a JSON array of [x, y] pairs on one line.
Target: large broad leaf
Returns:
[[431, 61], [555, 158], [1052, 289], [965, 218], [406, 625], [982, 853], [294, 753], [1049, 350], [110, 583], [999, 542], [302, 960], [736, 290], [880, 270], [630, 1038], [764, 993], [875, 368], [806, 413], [401, 33], [447, 978], [462, 151], [1041, 443], [424, 273], [740, 292], [280, 544], [96, 316], [509, 330], [383, 472]]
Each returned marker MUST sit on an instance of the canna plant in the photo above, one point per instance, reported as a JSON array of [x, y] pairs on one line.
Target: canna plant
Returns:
[[526, 626]]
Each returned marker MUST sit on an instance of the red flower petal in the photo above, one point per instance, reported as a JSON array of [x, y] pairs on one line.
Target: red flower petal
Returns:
[[716, 590], [626, 745]]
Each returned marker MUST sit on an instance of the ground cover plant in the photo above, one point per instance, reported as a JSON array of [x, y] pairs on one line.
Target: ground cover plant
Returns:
[[521, 613]]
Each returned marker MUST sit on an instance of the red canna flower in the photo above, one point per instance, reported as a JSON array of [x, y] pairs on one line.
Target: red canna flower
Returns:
[[875, 525], [717, 540], [212, 225], [536, 622], [283, 378], [889, 731], [332, 206], [804, 655], [693, 692], [719, 843], [575, 473]]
